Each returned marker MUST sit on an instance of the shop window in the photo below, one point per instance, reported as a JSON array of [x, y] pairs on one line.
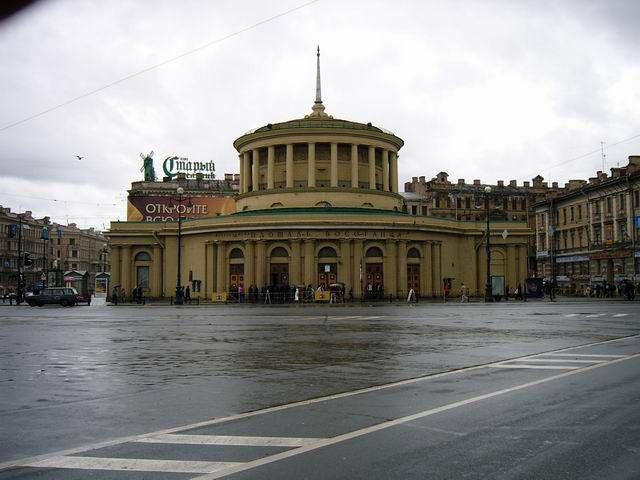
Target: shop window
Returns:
[[236, 253], [142, 276], [414, 209], [327, 252], [374, 252]]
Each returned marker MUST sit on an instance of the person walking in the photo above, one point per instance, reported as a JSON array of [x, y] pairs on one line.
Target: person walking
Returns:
[[114, 296], [464, 293]]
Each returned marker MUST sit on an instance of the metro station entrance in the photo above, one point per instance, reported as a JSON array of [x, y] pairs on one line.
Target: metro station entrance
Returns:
[[279, 274]]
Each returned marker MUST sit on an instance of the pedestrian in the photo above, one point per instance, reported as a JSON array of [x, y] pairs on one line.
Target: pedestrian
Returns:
[[464, 293], [412, 296], [187, 294], [123, 295]]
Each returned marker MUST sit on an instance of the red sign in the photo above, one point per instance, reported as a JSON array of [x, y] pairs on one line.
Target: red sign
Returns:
[[167, 209]]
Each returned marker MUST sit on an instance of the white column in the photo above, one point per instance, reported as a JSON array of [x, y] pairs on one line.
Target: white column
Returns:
[[334, 164], [393, 172], [354, 166], [630, 225], [255, 170], [312, 165], [289, 160], [271, 154], [385, 170], [246, 160], [241, 159], [372, 168]]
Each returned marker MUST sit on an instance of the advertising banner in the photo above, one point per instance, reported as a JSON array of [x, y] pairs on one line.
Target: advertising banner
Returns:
[[167, 209]]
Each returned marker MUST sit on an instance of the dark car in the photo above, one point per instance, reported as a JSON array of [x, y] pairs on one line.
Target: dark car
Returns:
[[67, 297]]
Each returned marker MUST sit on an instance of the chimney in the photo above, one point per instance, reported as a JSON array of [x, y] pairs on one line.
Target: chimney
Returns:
[[476, 182], [414, 179], [408, 187], [501, 183], [525, 184], [422, 180], [554, 185], [236, 177], [461, 181], [513, 183], [228, 177]]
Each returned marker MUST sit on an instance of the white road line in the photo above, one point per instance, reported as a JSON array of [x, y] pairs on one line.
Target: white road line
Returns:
[[572, 314], [229, 440], [399, 421], [581, 355], [132, 464], [278, 408], [617, 315], [560, 360], [372, 318], [596, 315], [541, 367]]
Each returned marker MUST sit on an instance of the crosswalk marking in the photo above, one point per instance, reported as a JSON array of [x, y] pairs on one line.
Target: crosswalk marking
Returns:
[[618, 315], [560, 360], [541, 367], [229, 440], [572, 314], [582, 355], [132, 464]]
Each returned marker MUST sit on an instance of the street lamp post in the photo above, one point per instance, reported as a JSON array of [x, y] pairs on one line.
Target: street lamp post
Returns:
[[488, 297], [179, 293]]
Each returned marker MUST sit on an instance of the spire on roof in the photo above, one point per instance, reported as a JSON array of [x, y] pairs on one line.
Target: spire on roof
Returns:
[[318, 107]]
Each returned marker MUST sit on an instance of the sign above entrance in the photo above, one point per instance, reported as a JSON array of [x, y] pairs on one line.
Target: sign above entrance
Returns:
[[172, 166]]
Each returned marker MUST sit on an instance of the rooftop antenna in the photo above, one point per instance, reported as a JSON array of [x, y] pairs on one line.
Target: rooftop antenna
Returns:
[[604, 156]]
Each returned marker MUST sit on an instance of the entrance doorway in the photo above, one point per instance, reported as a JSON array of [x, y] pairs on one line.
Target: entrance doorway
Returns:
[[374, 287], [236, 276], [413, 278], [327, 274], [279, 274]]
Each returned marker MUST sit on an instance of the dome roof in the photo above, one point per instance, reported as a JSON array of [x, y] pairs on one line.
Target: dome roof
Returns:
[[319, 123]]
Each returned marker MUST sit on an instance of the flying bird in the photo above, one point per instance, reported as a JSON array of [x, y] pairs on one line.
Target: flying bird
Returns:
[[79, 157]]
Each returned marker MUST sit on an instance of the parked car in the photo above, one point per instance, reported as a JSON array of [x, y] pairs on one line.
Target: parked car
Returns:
[[67, 297]]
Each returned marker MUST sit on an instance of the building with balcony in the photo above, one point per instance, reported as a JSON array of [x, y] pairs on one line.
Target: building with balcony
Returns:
[[587, 233]]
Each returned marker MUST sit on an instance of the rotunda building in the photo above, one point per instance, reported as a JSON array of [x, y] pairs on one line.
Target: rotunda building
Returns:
[[318, 204]]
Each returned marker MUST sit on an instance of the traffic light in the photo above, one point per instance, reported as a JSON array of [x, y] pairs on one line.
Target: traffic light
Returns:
[[13, 230], [27, 260]]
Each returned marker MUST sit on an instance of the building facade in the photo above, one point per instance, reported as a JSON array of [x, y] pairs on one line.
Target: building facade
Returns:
[[318, 204], [587, 233], [53, 255]]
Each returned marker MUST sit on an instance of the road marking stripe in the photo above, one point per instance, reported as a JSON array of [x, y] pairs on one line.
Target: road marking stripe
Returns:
[[581, 355], [541, 367], [560, 360], [621, 315], [399, 421], [229, 440], [596, 315], [215, 421], [572, 315], [132, 464]]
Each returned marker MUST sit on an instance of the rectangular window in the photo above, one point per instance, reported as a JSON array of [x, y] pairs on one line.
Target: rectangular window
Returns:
[[458, 202], [424, 210], [572, 217], [437, 200], [636, 198], [623, 201], [564, 216], [74, 253], [514, 204], [608, 204]]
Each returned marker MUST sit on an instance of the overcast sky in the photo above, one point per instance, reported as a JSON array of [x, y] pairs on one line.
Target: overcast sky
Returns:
[[495, 90]]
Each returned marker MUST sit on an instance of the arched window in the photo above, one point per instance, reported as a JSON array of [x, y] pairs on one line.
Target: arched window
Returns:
[[367, 205], [142, 257], [276, 205], [323, 204], [327, 252], [413, 253], [374, 252], [279, 252], [236, 253]]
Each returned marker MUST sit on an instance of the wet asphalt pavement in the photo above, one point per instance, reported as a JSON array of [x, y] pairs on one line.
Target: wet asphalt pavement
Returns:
[[75, 377]]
